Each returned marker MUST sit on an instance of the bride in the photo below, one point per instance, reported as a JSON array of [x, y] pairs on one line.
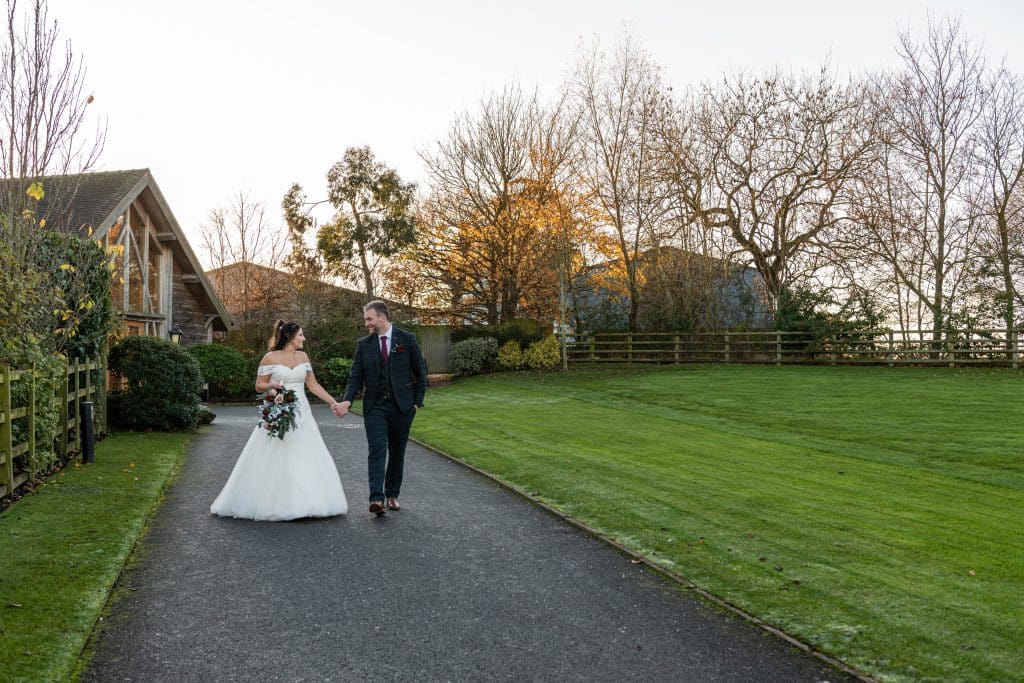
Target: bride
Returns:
[[279, 479]]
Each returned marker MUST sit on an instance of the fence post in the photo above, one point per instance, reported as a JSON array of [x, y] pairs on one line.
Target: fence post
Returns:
[[593, 344], [675, 346], [892, 352], [629, 347], [32, 414], [78, 412], [950, 352], [832, 350], [778, 347], [6, 447], [726, 347], [62, 430]]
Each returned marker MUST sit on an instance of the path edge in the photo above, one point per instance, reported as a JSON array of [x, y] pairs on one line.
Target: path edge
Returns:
[[116, 590], [665, 572]]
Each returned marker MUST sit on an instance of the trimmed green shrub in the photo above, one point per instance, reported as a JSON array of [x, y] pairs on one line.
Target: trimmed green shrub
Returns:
[[160, 385], [521, 330], [333, 375], [543, 355], [510, 356], [473, 356], [225, 370]]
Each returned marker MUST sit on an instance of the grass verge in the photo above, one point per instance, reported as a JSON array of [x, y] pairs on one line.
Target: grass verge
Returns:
[[62, 548], [873, 513]]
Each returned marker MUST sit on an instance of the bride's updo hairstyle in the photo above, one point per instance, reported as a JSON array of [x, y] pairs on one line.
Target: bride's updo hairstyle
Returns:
[[284, 332]]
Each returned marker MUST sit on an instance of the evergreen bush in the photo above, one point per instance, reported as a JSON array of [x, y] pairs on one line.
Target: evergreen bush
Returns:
[[225, 370], [545, 354], [157, 385], [473, 356], [333, 375], [522, 330]]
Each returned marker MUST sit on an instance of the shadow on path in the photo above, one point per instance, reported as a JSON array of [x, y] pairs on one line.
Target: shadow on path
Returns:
[[467, 582]]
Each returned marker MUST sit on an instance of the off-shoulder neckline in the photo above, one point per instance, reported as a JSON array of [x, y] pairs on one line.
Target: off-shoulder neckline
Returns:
[[282, 365]]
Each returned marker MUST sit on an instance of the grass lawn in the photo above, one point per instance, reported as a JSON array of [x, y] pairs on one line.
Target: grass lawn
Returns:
[[62, 547], [874, 513]]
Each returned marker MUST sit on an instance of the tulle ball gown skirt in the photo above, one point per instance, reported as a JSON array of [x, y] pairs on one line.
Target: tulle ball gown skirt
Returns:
[[281, 479]]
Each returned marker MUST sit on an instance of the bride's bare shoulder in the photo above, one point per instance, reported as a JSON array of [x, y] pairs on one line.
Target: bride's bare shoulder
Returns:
[[269, 359]]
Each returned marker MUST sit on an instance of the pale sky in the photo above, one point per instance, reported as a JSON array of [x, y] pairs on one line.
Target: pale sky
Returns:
[[218, 96]]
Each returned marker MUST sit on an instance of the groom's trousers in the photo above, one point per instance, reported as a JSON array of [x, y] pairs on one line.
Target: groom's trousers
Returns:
[[387, 433]]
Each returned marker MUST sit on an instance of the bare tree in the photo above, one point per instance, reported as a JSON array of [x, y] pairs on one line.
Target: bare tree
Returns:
[[43, 103], [784, 152], [1000, 197], [917, 206], [621, 98], [244, 252]]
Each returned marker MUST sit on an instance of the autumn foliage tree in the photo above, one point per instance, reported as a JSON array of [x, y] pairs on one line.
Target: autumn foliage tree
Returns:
[[502, 225]]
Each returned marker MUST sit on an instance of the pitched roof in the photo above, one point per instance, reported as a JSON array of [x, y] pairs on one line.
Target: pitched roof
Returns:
[[78, 202]]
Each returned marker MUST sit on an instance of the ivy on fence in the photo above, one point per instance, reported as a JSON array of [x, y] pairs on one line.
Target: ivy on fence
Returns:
[[22, 454]]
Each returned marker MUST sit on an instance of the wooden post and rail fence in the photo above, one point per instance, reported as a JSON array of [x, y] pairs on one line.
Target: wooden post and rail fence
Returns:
[[993, 347], [78, 387]]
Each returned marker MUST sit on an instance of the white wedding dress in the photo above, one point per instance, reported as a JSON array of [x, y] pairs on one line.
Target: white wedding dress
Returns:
[[290, 478]]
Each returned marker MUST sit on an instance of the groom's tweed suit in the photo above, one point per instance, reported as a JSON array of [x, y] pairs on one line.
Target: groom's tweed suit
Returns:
[[390, 392]]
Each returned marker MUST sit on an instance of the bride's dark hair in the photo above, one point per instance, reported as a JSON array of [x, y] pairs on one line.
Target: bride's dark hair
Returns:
[[284, 332]]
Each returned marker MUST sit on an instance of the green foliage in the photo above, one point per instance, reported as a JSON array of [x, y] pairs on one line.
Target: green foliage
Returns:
[[521, 330], [27, 296], [545, 354], [473, 356], [333, 337], [821, 317], [161, 385], [374, 213], [79, 272], [333, 375], [225, 370], [510, 356], [49, 394]]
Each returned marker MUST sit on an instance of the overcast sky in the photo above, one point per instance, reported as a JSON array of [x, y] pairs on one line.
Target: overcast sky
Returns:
[[217, 96]]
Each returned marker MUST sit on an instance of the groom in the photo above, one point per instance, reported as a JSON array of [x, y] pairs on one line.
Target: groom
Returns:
[[389, 368]]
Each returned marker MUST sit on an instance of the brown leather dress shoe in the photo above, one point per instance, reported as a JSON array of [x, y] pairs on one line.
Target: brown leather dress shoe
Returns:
[[393, 504], [377, 507]]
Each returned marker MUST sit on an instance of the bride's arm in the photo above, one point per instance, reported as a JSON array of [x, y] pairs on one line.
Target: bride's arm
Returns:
[[317, 390]]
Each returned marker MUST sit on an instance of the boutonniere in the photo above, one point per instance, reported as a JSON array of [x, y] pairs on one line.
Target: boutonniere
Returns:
[[398, 349]]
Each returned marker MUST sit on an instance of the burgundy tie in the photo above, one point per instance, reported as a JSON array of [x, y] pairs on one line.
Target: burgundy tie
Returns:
[[384, 350]]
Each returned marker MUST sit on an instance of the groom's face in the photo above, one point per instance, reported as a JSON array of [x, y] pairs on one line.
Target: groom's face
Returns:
[[375, 322]]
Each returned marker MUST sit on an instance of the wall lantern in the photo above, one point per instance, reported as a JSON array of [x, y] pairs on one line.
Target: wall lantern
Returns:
[[175, 334]]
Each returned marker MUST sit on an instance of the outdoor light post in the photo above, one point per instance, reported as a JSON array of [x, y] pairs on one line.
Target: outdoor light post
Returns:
[[175, 334]]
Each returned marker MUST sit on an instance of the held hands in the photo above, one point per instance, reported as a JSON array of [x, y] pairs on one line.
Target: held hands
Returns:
[[340, 409]]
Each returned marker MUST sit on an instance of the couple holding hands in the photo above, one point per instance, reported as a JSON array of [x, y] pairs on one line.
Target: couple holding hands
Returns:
[[294, 476]]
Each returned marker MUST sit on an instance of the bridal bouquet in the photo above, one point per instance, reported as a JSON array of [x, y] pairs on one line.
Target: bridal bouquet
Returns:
[[278, 410]]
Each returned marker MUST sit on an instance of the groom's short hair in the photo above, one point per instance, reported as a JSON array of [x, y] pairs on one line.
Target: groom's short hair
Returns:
[[379, 307]]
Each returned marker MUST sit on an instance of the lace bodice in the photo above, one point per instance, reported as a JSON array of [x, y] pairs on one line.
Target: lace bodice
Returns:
[[290, 377]]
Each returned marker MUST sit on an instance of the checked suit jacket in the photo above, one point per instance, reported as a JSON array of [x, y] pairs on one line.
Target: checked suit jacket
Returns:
[[408, 371]]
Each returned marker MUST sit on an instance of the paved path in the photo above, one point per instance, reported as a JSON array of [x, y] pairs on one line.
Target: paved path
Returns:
[[468, 582]]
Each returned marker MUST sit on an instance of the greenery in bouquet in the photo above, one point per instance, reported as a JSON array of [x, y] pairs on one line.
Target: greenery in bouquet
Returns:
[[278, 410]]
